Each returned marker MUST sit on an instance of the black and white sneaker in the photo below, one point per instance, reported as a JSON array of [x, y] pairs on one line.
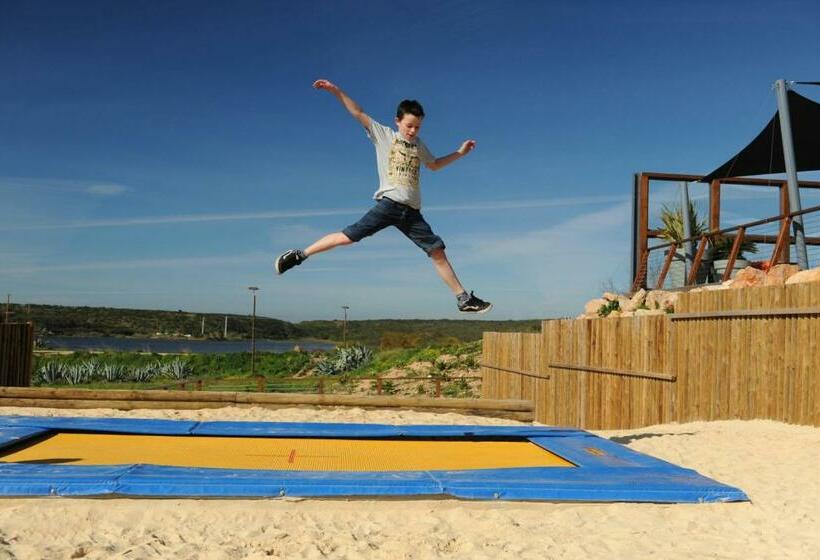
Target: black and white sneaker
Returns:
[[288, 260], [472, 304]]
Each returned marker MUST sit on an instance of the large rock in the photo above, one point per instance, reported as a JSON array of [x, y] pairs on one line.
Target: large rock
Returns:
[[810, 275], [779, 273], [638, 298], [625, 304], [661, 299], [749, 277], [592, 306]]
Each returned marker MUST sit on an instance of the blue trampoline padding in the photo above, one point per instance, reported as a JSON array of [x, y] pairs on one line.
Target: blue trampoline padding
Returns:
[[611, 473]]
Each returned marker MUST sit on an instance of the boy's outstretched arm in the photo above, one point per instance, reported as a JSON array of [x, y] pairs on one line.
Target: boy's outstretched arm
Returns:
[[352, 107], [444, 161]]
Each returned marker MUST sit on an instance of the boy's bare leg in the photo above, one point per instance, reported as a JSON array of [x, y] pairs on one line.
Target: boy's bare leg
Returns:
[[294, 257], [445, 271], [328, 242]]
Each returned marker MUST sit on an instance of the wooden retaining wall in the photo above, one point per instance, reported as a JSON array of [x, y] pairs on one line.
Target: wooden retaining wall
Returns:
[[190, 400], [16, 348], [725, 354]]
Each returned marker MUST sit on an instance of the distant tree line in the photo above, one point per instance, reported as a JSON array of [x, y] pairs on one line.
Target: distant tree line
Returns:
[[378, 333]]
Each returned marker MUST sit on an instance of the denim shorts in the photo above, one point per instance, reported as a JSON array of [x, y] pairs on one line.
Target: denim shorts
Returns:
[[408, 220]]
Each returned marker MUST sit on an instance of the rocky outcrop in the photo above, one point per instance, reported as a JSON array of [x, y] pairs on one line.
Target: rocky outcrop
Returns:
[[658, 302], [779, 273], [811, 275], [749, 277]]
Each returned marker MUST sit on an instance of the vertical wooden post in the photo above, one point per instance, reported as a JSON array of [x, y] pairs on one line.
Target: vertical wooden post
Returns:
[[642, 209], [714, 205], [785, 254], [438, 387], [693, 274], [321, 385], [198, 384], [378, 385], [260, 384]]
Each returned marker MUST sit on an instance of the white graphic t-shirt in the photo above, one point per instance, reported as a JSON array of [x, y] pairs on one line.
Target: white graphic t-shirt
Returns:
[[399, 163]]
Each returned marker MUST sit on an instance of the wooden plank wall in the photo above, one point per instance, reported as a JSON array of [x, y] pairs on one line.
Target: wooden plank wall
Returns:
[[16, 350], [749, 366], [520, 352], [626, 385], [696, 364]]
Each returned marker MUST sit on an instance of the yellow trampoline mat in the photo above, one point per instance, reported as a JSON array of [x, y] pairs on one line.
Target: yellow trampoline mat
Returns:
[[284, 453]]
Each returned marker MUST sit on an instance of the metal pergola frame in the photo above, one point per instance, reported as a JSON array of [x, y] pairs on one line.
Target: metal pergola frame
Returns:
[[641, 232]]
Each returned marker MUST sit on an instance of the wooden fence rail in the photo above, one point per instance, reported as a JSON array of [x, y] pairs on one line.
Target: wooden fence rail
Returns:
[[752, 353], [16, 347]]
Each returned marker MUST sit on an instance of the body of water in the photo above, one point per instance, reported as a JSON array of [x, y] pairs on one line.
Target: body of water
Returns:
[[112, 344]]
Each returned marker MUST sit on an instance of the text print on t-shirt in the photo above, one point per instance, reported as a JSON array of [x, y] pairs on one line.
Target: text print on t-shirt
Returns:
[[403, 164]]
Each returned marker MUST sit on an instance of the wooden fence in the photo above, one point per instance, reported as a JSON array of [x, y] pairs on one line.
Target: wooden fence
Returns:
[[16, 347], [749, 353]]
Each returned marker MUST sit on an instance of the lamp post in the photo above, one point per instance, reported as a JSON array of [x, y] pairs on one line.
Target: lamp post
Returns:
[[253, 290], [344, 326]]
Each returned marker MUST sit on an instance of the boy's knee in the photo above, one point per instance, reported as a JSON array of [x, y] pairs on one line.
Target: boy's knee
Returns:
[[438, 255], [343, 238]]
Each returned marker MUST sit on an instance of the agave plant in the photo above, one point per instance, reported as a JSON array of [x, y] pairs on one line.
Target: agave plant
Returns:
[[50, 373], [91, 369], [345, 359], [76, 374], [672, 223], [145, 373], [353, 357], [113, 372], [327, 367], [177, 369]]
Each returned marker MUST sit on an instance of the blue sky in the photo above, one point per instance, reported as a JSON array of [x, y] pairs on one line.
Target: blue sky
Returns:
[[160, 154]]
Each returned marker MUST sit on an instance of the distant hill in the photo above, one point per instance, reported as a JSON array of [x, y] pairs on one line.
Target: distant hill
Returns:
[[107, 321]]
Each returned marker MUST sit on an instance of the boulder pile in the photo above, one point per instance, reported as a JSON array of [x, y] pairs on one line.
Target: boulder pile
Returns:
[[658, 302]]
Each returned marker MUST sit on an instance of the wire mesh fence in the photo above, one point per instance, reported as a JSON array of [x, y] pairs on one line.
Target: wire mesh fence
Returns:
[[669, 265]]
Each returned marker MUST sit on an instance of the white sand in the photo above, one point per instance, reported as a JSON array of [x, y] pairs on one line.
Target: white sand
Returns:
[[776, 464]]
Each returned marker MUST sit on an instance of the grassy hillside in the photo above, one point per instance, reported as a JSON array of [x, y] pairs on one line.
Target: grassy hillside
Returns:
[[385, 333]]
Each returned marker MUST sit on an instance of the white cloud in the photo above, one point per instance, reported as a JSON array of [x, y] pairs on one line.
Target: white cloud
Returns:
[[106, 189], [291, 214]]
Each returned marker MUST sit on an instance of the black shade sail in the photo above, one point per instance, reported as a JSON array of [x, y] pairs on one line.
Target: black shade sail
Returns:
[[765, 153]]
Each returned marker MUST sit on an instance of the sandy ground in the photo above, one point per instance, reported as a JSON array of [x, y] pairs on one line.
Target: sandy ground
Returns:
[[776, 464]]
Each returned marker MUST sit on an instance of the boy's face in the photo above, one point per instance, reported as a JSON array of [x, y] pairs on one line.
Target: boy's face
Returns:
[[409, 125]]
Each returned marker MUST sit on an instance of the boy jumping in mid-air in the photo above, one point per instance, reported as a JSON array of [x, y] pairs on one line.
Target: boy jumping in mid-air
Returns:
[[398, 156]]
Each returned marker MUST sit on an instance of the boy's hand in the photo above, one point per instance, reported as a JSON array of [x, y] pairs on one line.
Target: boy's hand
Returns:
[[327, 85], [466, 147]]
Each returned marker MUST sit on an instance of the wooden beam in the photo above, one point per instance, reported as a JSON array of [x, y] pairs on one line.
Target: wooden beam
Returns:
[[607, 371], [515, 371], [136, 399], [714, 205], [750, 181], [752, 237], [746, 313]]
